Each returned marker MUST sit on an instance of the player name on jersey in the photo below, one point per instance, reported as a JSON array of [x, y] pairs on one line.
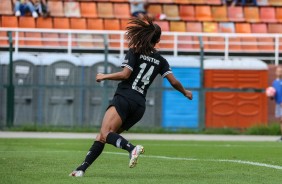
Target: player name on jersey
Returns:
[[150, 59]]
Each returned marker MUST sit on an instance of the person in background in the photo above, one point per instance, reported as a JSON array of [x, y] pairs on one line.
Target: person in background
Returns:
[[41, 7], [23, 6], [242, 2], [277, 84], [138, 7]]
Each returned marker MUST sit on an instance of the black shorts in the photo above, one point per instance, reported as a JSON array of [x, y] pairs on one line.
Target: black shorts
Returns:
[[129, 111]]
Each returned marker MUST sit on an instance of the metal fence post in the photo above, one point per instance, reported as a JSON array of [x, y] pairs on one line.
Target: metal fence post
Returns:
[[276, 50], [175, 37], [105, 82], [69, 42], [202, 108], [226, 48], [10, 88]]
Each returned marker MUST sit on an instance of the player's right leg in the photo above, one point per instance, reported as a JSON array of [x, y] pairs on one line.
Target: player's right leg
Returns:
[[94, 152], [109, 134]]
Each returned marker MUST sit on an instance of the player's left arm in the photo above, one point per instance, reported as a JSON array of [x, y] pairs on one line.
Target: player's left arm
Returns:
[[167, 73], [178, 86], [122, 75]]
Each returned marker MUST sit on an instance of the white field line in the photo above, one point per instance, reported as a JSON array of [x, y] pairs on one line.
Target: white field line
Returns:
[[205, 160], [177, 158]]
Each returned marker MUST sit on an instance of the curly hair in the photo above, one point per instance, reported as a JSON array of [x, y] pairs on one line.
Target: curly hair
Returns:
[[143, 35]]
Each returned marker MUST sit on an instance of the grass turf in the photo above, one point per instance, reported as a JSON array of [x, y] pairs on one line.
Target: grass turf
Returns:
[[51, 160]]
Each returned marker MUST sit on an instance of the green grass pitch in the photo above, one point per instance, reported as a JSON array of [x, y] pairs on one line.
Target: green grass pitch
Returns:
[[164, 162]]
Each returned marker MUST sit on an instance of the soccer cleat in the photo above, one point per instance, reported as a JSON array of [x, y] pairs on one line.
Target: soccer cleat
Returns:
[[134, 154], [77, 174], [280, 139]]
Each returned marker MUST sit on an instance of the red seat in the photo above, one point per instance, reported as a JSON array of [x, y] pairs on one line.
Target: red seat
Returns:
[[8, 21], [194, 27], [203, 13], [95, 24], [56, 8], [166, 41], [62, 23], [88, 9], [121, 10], [31, 38], [219, 13], [50, 39], [274, 28], [234, 42], [214, 43], [264, 44], [235, 13], [187, 12], [213, 2], [251, 14], [279, 14], [247, 43], [105, 10], [6, 7], [114, 39], [267, 14]]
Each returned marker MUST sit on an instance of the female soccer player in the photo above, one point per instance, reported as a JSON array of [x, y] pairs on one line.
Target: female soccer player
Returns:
[[140, 67]]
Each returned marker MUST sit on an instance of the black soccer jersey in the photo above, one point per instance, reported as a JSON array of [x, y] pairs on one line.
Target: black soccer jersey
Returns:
[[144, 71]]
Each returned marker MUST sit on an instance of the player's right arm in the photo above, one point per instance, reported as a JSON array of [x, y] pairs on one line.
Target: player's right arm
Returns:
[[178, 86]]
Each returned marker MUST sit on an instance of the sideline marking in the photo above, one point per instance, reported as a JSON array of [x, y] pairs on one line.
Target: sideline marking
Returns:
[[178, 158], [206, 160]]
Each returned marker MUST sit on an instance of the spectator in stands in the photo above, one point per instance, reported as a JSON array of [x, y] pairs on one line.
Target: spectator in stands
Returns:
[[277, 84], [41, 7], [138, 7], [23, 6], [242, 2]]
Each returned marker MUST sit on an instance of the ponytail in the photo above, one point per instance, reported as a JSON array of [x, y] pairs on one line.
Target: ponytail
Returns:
[[143, 35]]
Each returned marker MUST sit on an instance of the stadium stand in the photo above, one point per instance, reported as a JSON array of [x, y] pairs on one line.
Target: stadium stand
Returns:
[[75, 21], [210, 15]]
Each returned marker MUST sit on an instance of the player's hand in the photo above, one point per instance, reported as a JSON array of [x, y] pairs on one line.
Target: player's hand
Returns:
[[100, 77], [188, 94]]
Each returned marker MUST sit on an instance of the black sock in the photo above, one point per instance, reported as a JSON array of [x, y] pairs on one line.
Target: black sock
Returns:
[[93, 153], [119, 142]]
